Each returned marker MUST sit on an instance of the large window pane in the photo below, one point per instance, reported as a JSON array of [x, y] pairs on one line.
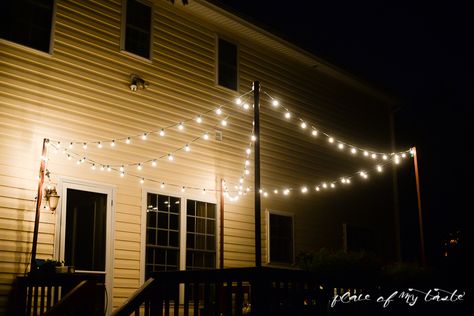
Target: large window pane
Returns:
[[138, 28], [281, 239], [227, 64]]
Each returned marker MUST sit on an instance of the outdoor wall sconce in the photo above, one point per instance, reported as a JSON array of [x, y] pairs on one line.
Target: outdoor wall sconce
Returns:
[[52, 198], [137, 82]]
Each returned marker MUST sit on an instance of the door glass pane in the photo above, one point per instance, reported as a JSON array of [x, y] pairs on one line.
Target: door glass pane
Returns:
[[86, 218]]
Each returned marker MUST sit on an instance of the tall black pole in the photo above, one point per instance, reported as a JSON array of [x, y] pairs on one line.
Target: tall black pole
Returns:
[[256, 118], [420, 214], [39, 196]]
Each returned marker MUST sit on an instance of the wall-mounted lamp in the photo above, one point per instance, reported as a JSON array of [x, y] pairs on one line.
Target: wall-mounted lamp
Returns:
[[52, 198], [137, 82]]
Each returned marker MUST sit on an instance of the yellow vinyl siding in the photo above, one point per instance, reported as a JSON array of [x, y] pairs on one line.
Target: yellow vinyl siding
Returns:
[[81, 92]]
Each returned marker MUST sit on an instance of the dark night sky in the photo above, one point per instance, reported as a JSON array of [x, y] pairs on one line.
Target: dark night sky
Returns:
[[420, 52]]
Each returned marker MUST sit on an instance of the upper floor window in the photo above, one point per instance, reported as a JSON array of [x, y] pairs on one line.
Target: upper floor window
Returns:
[[27, 22], [227, 64], [280, 240], [137, 37]]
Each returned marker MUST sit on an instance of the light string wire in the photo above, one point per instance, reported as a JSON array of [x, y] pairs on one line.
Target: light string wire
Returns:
[[306, 124]]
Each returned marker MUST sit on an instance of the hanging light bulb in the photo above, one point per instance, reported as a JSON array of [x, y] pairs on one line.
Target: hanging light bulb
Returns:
[[112, 143], [331, 140], [366, 154], [324, 185], [183, 189], [353, 151], [374, 156], [303, 125], [144, 136], [304, 190], [384, 157], [241, 180], [187, 148], [275, 191], [348, 181], [341, 146], [70, 145], [162, 132], [238, 101], [248, 151], [253, 138], [404, 155], [170, 157], [247, 172], [142, 180], [206, 136], [108, 168], [224, 122], [102, 168], [180, 126], [122, 174], [203, 191], [69, 157], [343, 180], [317, 188], [139, 166], [287, 115], [246, 106], [99, 145], [275, 103], [314, 132], [84, 145], [122, 168], [265, 194], [247, 162], [286, 191], [379, 168], [218, 111], [93, 166], [248, 189], [153, 163], [333, 185], [199, 119], [162, 185], [128, 140]]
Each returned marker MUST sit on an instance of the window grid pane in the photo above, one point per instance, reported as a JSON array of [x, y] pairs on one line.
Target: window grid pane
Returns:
[[281, 239], [227, 64], [138, 28]]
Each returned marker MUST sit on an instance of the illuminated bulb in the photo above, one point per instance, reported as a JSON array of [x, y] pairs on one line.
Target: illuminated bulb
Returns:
[[99, 145], [379, 168], [314, 132], [122, 168], [170, 157], [412, 151], [246, 106], [144, 136], [353, 151], [343, 180], [241, 180], [218, 111], [162, 132], [248, 189], [248, 151], [162, 185], [122, 174], [70, 145], [253, 138], [304, 189], [275, 191], [366, 153], [247, 162], [384, 157], [206, 136], [397, 160], [102, 168], [199, 119], [260, 191], [112, 144], [240, 187], [187, 148], [341, 146], [224, 122], [331, 140], [348, 181], [128, 140], [69, 157], [287, 115], [333, 185], [236, 198], [238, 101], [247, 172], [84, 146], [317, 189], [79, 162], [142, 181], [240, 193], [325, 185], [183, 189], [265, 194], [203, 191], [108, 168], [303, 125], [180, 126], [275, 103], [404, 155], [153, 162], [374, 156], [139, 166], [286, 191]]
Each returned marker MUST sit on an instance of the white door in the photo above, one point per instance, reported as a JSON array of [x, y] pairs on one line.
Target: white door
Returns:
[[84, 231]]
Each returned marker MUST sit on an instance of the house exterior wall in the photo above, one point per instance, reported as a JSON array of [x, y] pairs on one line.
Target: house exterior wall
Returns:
[[81, 92]]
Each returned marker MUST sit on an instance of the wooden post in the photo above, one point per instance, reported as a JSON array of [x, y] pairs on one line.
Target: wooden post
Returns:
[[39, 197], [221, 230], [256, 118], [420, 215]]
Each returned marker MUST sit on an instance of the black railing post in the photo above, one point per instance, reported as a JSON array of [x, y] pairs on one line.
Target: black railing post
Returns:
[[256, 118]]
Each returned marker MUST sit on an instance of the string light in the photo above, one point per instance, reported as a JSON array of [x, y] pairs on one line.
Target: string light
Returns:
[[341, 146], [314, 132], [122, 168], [304, 190], [238, 101], [162, 132], [170, 157], [109, 169], [187, 148], [153, 163], [374, 156], [206, 136], [142, 180], [275, 103], [288, 115], [99, 145], [84, 145], [128, 140], [199, 119], [93, 166], [139, 167], [246, 106], [219, 111], [353, 151], [379, 168], [331, 140], [286, 191], [144, 136], [224, 122], [253, 138], [180, 126], [303, 125], [112, 143], [122, 174]]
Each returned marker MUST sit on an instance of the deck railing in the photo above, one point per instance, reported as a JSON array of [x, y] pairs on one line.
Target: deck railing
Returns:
[[75, 293], [240, 291]]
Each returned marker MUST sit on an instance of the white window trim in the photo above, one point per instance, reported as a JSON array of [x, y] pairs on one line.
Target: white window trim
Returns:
[[124, 26], [216, 64], [110, 190], [267, 232], [208, 198]]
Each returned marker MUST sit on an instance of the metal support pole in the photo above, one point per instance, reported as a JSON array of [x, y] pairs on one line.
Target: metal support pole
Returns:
[[258, 227], [420, 215], [39, 197]]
